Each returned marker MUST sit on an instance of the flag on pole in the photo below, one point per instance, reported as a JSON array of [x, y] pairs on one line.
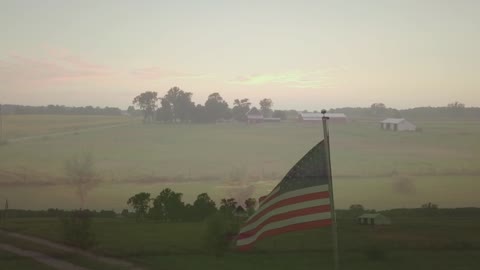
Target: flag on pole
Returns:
[[300, 201]]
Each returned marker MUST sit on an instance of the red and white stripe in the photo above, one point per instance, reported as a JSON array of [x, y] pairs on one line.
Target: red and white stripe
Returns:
[[280, 213]]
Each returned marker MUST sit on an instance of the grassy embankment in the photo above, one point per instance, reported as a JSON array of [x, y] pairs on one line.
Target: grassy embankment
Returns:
[[430, 242]]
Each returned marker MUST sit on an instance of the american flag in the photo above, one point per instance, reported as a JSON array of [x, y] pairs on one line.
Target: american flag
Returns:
[[300, 201]]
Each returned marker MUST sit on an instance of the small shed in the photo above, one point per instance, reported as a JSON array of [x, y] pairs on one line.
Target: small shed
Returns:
[[317, 117], [397, 124], [374, 219]]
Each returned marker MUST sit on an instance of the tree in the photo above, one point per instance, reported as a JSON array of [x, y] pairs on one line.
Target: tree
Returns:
[[280, 114], [165, 112], [429, 208], [219, 233], [168, 206], [254, 111], [240, 109], [203, 207], [266, 107], [125, 213], [181, 103], [130, 110], [250, 205], [429, 205], [146, 101], [227, 206], [378, 108], [291, 114], [357, 208], [456, 107], [456, 104], [199, 114], [397, 114], [80, 171], [216, 108], [77, 229], [140, 203]]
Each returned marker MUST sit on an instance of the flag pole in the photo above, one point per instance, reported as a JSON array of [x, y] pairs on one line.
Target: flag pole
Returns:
[[326, 138], [1, 124]]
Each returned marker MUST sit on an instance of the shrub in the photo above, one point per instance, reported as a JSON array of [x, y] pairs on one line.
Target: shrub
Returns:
[[220, 232], [77, 229]]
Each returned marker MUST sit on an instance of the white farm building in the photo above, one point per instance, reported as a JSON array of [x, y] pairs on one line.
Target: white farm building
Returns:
[[397, 124], [374, 219]]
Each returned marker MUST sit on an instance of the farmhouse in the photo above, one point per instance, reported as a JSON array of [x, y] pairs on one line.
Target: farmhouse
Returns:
[[254, 116], [317, 117], [397, 124], [374, 219]]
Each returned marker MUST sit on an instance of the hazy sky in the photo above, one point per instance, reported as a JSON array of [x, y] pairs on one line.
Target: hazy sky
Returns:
[[302, 54]]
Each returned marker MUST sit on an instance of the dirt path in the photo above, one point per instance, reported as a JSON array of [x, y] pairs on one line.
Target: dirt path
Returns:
[[42, 258], [87, 254]]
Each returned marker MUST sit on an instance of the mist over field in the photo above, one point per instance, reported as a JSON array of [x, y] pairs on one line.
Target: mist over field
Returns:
[[377, 168]]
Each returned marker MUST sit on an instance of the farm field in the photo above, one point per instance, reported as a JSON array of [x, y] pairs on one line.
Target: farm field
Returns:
[[408, 243], [259, 151], [376, 168], [20, 126], [53, 253]]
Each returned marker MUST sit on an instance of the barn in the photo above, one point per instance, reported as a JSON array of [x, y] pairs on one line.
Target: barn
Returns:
[[317, 117], [397, 124], [255, 116], [374, 219]]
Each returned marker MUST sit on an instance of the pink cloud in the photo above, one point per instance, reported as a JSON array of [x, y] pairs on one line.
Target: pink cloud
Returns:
[[68, 57], [152, 73], [55, 67]]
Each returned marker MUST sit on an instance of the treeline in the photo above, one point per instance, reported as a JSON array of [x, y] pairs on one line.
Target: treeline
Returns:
[[169, 207], [59, 109], [177, 106], [454, 110], [466, 212], [425, 210], [52, 213], [204, 207]]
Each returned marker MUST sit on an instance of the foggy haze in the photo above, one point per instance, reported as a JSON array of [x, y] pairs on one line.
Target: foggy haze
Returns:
[[304, 55]]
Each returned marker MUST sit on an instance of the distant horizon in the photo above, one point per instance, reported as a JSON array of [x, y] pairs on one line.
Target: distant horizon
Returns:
[[230, 104]]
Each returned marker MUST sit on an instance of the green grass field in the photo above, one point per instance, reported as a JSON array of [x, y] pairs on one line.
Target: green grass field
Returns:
[[376, 168], [427, 242]]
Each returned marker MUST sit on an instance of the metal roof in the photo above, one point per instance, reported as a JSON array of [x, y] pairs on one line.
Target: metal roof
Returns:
[[393, 120], [255, 116]]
